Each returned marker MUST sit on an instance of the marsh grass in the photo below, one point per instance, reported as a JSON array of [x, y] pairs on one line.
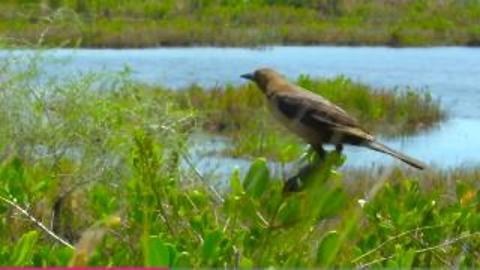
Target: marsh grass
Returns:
[[131, 23]]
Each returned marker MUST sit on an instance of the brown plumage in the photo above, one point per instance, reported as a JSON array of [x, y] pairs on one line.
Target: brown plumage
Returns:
[[314, 118]]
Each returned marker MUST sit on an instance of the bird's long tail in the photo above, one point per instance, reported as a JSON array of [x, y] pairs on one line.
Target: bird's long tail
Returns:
[[374, 145]]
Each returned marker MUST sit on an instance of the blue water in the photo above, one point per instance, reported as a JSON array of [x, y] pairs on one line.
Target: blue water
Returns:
[[451, 74]]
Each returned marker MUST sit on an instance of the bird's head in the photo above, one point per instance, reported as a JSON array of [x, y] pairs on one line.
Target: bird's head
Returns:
[[262, 77]]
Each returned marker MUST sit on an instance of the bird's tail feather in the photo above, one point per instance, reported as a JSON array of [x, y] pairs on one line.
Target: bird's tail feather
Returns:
[[387, 150]]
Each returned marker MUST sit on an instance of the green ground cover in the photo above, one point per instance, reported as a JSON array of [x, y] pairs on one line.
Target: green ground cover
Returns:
[[147, 23]]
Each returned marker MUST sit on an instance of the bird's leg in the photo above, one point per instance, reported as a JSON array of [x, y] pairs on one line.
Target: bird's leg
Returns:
[[321, 153], [339, 148], [312, 154], [296, 182]]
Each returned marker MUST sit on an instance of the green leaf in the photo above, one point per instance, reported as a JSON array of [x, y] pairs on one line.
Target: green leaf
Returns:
[[403, 259], [235, 183], [327, 248], [246, 263], [172, 251], [183, 260], [23, 251], [156, 252], [407, 259], [335, 202], [256, 181], [210, 244], [289, 211]]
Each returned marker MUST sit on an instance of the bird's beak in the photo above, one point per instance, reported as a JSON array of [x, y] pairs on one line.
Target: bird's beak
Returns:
[[248, 76]]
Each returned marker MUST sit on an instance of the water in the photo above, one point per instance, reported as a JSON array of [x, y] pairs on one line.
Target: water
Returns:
[[451, 74]]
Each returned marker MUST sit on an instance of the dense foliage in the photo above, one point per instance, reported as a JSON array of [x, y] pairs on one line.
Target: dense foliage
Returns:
[[103, 165], [131, 23]]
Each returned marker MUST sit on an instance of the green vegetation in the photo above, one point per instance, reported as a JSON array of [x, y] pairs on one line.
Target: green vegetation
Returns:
[[156, 217], [102, 163], [131, 23]]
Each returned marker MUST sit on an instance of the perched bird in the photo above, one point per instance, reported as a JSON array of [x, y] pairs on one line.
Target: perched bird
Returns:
[[315, 119]]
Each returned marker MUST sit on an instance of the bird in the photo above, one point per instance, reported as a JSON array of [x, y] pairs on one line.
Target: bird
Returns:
[[315, 119]]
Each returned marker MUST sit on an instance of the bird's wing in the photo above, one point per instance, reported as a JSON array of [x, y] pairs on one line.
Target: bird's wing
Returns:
[[315, 108], [320, 114]]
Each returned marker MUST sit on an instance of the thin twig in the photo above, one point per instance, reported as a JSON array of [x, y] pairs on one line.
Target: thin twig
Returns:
[[37, 222], [188, 160], [236, 261], [444, 244], [449, 242], [376, 261], [435, 253], [393, 238]]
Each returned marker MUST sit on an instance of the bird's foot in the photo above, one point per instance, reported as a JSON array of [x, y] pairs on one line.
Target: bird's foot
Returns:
[[339, 148], [298, 181], [314, 160], [293, 184]]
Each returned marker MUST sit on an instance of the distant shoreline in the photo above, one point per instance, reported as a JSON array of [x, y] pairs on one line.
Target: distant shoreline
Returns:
[[137, 24], [61, 41], [13, 46]]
